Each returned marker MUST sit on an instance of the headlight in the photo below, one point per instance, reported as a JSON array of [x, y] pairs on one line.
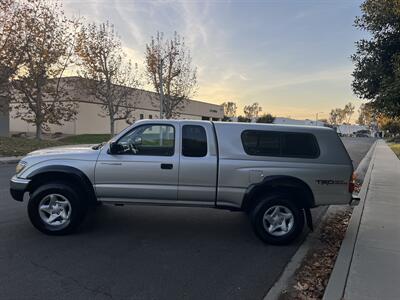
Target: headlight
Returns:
[[21, 165]]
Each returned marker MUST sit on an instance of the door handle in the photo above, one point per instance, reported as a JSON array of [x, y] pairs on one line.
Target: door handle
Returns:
[[167, 166]]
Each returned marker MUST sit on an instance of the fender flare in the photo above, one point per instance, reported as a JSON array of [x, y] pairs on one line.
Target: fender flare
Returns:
[[279, 182], [69, 173]]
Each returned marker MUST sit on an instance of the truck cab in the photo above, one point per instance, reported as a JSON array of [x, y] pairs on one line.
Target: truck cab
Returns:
[[160, 162]]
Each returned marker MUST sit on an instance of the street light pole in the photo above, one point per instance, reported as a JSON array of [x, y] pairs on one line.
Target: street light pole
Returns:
[[316, 117]]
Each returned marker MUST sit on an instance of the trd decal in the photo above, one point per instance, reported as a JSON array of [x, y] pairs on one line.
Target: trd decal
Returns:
[[329, 181]]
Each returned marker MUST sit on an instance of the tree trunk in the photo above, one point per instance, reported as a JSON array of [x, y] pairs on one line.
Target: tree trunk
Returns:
[[38, 113], [112, 127], [4, 116], [38, 132]]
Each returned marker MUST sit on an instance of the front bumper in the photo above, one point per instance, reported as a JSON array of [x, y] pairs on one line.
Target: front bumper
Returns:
[[18, 187]]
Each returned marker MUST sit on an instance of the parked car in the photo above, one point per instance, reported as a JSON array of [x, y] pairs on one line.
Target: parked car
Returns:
[[362, 135], [274, 173]]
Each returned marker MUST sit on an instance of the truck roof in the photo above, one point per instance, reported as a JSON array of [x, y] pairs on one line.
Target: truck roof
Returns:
[[255, 126], [275, 126]]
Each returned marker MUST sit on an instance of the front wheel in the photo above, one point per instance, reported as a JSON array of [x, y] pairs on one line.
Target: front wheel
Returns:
[[56, 209], [277, 220]]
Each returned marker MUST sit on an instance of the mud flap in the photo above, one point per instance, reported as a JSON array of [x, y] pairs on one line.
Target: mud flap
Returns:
[[309, 221]]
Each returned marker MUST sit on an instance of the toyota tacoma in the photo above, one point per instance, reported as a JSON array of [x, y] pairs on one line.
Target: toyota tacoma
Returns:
[[274, 173]]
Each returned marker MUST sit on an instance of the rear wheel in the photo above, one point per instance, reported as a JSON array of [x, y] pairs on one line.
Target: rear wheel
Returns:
[[56, 208], [277, 220]]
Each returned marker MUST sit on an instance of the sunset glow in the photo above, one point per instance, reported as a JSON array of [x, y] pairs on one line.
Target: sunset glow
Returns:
[[293, 57]]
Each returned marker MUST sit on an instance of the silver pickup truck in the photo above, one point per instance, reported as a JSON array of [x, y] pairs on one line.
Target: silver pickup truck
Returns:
[[273, 173]]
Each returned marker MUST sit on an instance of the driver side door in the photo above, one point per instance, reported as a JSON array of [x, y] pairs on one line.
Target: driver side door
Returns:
[[144, 170]]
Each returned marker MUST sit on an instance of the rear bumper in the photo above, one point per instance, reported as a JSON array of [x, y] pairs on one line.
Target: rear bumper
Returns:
[[18, 187]]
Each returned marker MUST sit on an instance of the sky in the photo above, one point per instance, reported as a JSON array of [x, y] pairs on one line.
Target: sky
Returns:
[[290, 56]]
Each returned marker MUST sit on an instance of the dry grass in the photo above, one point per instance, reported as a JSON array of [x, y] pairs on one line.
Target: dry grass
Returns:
[[17, 146], [395, 148], [14, 146]]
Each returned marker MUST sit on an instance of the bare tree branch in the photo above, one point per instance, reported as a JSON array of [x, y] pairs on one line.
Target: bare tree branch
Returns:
[[170, 62], [109, 75], [252, 111], [39, 96]]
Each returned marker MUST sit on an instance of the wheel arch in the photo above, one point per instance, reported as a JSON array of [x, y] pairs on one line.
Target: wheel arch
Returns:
[[279, 183], [62, 173]]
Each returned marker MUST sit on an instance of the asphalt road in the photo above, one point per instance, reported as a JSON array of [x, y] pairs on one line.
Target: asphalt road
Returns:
[[136, 252], [357, 148]]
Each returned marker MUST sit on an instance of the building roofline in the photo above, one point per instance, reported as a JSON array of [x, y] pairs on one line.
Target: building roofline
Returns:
[[143, 90]]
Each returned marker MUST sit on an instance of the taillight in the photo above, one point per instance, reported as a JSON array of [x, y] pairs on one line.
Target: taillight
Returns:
[[352, 182]]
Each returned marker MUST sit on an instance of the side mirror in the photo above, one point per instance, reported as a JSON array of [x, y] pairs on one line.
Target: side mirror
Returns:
[[115, 148]]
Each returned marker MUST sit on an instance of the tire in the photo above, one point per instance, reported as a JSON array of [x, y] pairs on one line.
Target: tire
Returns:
[[56, 208], [270, 216]]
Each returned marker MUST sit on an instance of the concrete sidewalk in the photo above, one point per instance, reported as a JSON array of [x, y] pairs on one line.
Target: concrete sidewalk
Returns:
[[368, 264]]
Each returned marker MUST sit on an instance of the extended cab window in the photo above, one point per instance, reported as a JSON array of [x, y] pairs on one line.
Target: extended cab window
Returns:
[[156, 140], [194, 141], [264, 143], [274, 143]]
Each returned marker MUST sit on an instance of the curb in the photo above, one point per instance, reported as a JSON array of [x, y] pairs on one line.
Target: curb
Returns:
[[10, 159], [337, 281], [363, 166]]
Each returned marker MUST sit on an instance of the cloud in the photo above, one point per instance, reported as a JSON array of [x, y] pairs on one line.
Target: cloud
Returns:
[[126, 14], [194, 15], [246, 52], [287, 80]]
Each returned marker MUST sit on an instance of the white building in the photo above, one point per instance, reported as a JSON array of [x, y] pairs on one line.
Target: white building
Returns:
[[289, 121], [349, 130], [88, 119]]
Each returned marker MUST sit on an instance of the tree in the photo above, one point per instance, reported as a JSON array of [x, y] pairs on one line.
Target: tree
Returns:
[[336, 116], [266, 118], [109, 75], [377, 59], [12, 46], [339, 115], [169, 69], [41, 96], [391, 125], [348, 111], [243, 119], [365, 115], [252, 111], [230, 109]]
